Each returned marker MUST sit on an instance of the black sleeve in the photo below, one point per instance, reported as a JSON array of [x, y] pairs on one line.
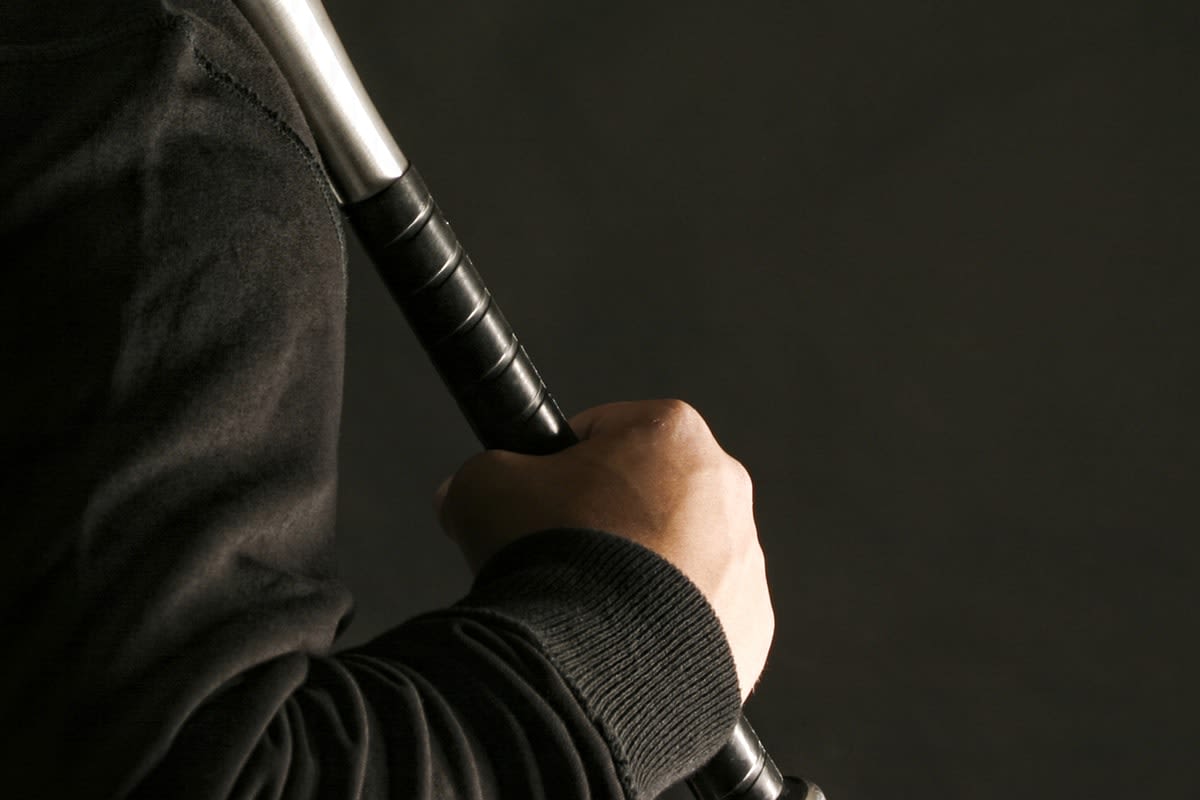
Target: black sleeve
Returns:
[[580, 666], [173, 325]]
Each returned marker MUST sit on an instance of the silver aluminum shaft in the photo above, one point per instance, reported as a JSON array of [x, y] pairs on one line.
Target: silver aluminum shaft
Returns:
[[360, 154]]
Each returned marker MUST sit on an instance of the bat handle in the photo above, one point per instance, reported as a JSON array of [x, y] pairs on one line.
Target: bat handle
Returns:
[[743, 770], [461, 327], [502, 395]]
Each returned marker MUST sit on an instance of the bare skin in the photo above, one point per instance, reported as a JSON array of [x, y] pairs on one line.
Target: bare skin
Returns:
[[650, 471]]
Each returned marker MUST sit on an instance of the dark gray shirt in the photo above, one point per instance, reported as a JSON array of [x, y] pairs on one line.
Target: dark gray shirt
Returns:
[[173, 332]]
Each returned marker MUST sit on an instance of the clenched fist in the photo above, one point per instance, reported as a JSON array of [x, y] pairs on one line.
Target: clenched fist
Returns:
[[649, 471]]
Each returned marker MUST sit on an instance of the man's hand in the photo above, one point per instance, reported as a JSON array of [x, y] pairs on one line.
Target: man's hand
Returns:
[[650, 471]]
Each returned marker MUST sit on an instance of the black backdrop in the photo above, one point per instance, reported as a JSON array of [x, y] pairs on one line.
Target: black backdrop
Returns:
[[929, 269]]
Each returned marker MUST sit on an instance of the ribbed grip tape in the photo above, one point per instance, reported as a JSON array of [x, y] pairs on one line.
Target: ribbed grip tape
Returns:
[[455, 318]]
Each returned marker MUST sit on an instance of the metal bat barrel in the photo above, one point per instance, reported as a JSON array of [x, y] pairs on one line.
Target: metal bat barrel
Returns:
[[446, 303]]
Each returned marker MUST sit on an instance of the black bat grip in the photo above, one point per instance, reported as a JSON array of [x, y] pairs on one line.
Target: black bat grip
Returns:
[[456, 320], [501, 393]]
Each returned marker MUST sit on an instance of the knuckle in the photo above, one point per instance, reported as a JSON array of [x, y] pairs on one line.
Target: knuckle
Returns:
[[739, 477], [674, 410], [741, 474], [679, 417]]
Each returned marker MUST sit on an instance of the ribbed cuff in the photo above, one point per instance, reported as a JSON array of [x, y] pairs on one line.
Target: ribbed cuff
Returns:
[[642, 648]]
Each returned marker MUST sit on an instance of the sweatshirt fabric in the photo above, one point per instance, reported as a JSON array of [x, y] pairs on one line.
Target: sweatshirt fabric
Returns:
[[173, 343]]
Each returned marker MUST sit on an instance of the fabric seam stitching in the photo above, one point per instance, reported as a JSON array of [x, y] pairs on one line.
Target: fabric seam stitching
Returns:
[[289, 133]]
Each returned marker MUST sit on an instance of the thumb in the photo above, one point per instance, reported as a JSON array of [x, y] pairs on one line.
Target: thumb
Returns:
[[493, 500]]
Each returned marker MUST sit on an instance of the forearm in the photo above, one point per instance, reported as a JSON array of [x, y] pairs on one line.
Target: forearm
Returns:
[[581, 666]]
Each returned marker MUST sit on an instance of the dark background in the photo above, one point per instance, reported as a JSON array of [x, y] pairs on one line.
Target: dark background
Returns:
[[929, 270]]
